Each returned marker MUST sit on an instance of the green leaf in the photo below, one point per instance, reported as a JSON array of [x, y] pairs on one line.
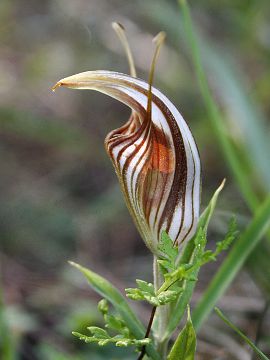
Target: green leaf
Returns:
[[102, 338], [192, 250], [146, 287], [98, 332], [185, 345], [115, 323], [244, 337], [166, 246], [233, 262], [111, 321], [108, 291], [103, 306], [229, 238], [146, 292], [210, 255], [168, 253], [208, 212], [134, 294], [168, 296]]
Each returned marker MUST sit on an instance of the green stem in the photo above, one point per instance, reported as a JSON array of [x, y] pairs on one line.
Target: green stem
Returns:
[[162, 314], [233, 263], [243, 336]]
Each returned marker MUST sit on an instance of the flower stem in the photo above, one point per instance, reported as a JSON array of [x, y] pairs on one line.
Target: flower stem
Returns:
[[148, 331], [162, 314]]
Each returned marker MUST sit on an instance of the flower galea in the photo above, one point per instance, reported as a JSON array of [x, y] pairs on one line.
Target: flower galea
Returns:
[[154, 154]]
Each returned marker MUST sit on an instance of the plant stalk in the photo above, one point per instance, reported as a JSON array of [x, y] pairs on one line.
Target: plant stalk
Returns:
[[162, 315], [148, 331]]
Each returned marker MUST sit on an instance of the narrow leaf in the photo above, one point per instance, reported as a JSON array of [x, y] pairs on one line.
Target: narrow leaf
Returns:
[[244, 337], [108, 291], [208, 212]]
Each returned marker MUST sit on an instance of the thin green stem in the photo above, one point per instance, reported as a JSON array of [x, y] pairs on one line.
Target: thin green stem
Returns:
[[260, 326], [162, 314], [233, 263], [244, 337]]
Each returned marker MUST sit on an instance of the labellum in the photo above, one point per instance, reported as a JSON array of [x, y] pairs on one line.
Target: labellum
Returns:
[[154, 153]]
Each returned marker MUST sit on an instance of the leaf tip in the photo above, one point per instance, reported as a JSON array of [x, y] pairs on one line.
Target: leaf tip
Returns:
[[221, 186], [217, 310], [77, 266]]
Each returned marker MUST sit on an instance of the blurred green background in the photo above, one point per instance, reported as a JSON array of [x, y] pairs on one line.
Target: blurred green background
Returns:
[[59, 196]]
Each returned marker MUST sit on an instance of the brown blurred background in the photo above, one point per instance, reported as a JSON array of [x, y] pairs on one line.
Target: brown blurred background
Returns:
[[59, 196]]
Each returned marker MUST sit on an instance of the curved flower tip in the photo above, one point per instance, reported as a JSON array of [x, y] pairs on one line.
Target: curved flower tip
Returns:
[[155, 157]]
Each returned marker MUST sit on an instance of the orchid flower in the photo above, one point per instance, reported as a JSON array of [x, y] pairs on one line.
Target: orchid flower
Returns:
[[154, 153]]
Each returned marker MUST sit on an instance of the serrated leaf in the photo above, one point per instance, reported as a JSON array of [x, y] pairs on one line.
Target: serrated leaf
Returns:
[[108, 291], [83, 337], [144, 286], [209, 255], [161, 298], [229, 237], [153, 300], [114, 323], [104, 342], [98, 332], [137, 294], [184, 347], [118, 340], [166, 246], [165, 266], [168, 296], [134, 294], [169, 253], [183, 272], [122, 343]]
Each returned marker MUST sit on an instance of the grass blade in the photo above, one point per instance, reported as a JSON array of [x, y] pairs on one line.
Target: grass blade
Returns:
[[215, 116], [244, 337]]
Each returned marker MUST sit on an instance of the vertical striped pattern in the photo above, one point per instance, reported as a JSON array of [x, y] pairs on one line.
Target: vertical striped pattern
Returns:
[[155, 158]]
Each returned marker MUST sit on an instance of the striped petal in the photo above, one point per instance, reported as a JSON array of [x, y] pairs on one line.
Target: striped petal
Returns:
[[155, 157]]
